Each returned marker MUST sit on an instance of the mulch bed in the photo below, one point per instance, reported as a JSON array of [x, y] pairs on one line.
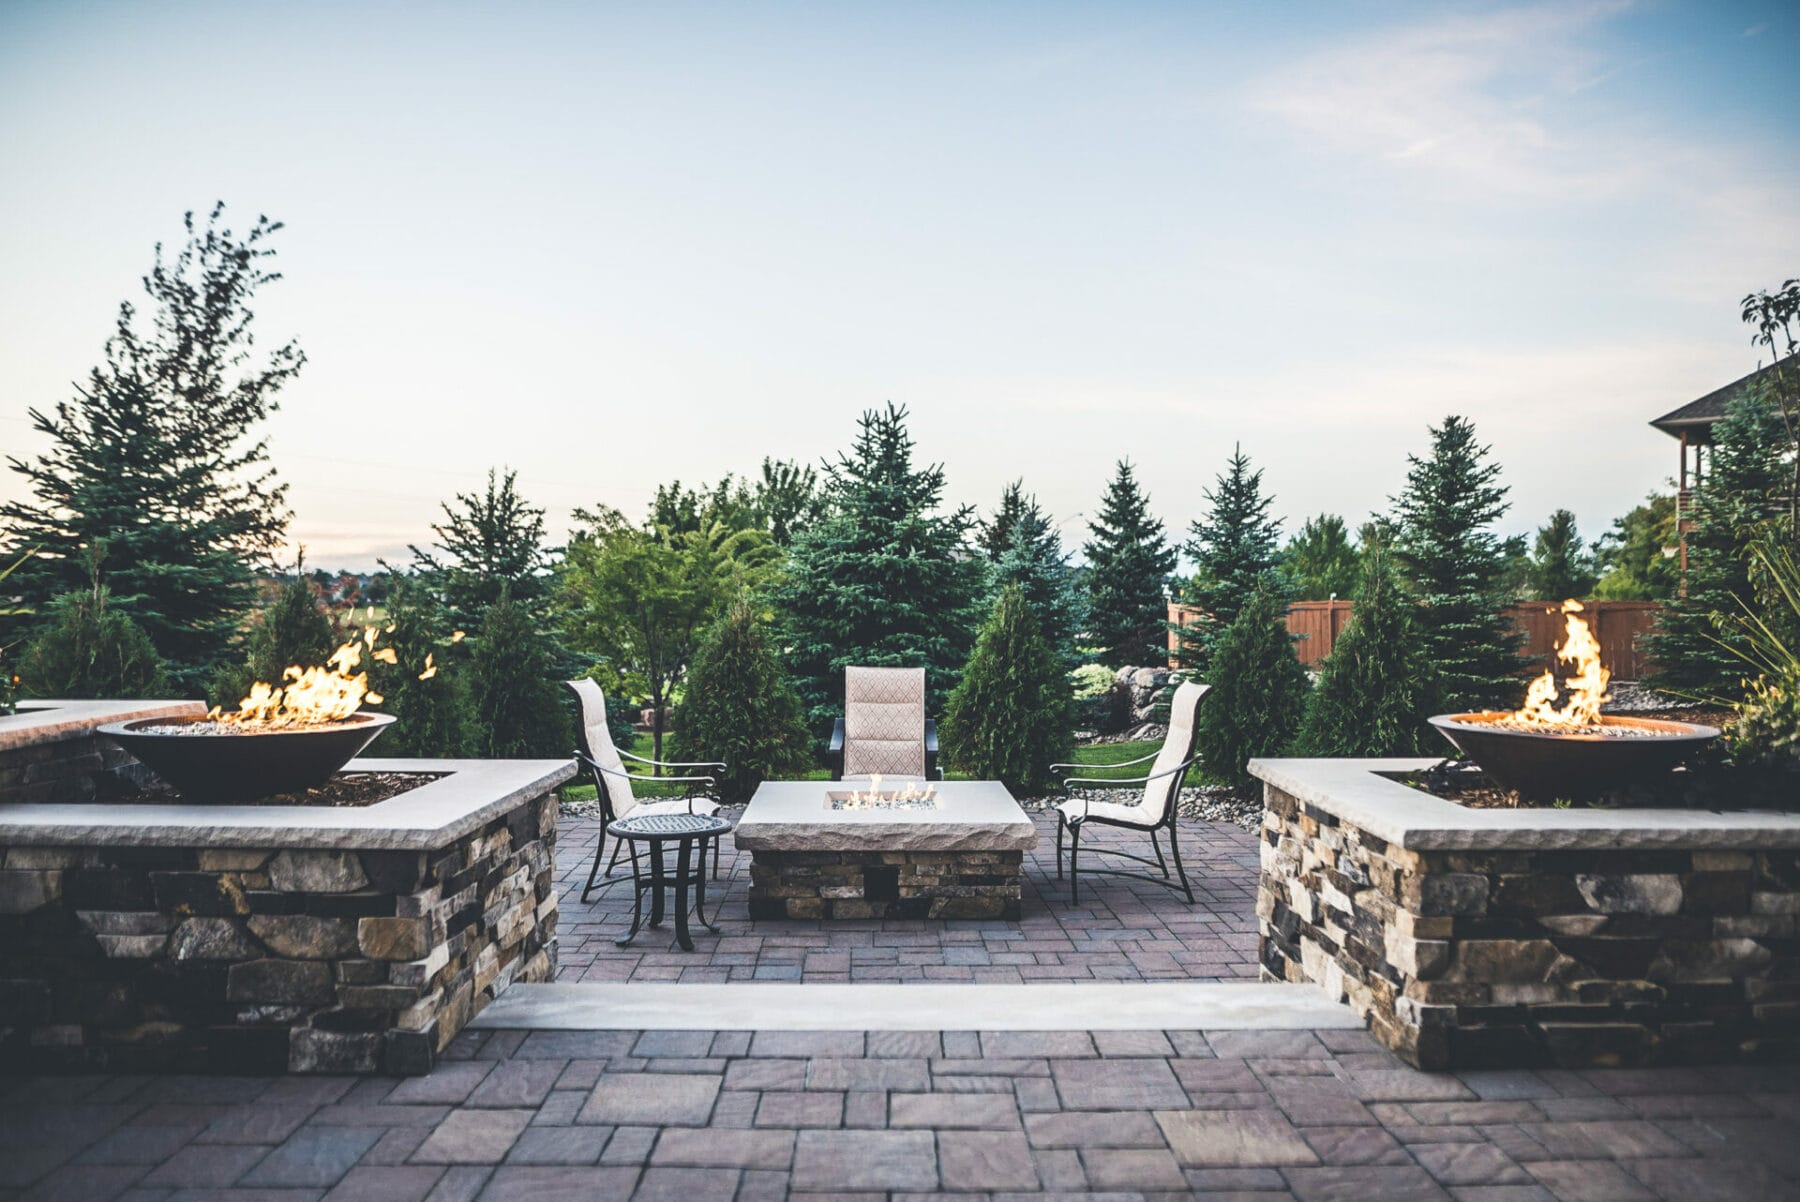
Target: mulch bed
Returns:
[[346, 790]]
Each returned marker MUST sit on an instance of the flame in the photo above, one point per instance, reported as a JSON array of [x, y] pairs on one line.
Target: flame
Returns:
[[874, 798], [1586, 685], [321, 694]]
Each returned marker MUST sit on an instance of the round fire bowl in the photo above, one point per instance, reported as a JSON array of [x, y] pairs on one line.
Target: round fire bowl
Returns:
[[1542, 766], [214, 768]]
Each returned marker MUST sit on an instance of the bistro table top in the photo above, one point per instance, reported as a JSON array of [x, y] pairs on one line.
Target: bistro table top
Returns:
[[667, 826], [965, 815]]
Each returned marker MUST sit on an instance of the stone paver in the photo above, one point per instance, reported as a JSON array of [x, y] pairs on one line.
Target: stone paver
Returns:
[[1262, 1116]]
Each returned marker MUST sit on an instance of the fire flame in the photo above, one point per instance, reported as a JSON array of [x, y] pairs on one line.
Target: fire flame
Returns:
[[1586, 685], [321, 694], [874, 798]]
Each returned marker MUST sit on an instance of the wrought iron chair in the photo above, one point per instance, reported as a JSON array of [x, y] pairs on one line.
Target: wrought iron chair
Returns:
[[1154, 809], [884, 730], [604, 762]]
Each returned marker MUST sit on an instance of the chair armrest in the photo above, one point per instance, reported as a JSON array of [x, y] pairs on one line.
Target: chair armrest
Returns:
[[932, 771], [672, 763], [834, 754], [1115, 764]]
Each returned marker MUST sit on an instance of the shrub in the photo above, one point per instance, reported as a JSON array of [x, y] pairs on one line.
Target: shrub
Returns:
[[1091, 680], [1009, 717], [295, 629], [739, 706], [1377, 685], [1259, 692], [1768, 724], [90, 650], [515, 698], [432, 713]]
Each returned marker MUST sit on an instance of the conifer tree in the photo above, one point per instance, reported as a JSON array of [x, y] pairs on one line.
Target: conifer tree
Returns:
[[515, 699], [1320, 562], [293, 630], [1690, 651], [427, 688], [739, 707], [1235, 549], [1258, 691], [996, 534], [886, 579], [1561, 567], [1129, 563], [1377, 686], [1454, 566], [1011, 715], [1035, 561], [488, 542], [89, 649], [161, 455]]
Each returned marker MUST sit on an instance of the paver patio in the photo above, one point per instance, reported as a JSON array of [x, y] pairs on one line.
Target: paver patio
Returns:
[[1123, 930]]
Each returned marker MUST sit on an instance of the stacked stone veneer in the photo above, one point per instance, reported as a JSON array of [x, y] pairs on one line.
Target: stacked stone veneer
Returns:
[[885, 884], [266, 959], [1461, 959]]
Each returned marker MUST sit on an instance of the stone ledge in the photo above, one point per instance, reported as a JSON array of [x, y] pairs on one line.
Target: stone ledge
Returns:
[[1351, 791], [54, 721]]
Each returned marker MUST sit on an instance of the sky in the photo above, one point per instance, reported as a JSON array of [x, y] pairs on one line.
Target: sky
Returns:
[[614, 245]]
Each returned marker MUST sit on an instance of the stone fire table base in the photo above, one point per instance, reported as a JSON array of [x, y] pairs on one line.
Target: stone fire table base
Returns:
[[962, 859]]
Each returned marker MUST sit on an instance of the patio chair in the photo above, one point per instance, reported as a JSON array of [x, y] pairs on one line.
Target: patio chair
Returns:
[[613, 784], [1154, 809], [884, 731]]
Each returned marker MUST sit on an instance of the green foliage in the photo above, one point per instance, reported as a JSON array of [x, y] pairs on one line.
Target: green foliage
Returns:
[[1129, 563], [160, 456], [1034, 560], [1455, 567], [784, 500], [1009, 717], [1258, 692], [1377, 686], [1090, 680], [1560, 566], [1320, 562], [1235, 548], [1775, 318], [294, 629], [488, 543], [1630, 556], [1733, 505], [885, 579], [9, 679], [89, 649], [432, 713], [516, 706], [740, 708], [995, 535], [1768, 640]]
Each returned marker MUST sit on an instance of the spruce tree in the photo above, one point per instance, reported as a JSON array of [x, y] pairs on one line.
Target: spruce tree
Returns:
[[1691, 648], [1235, 551], [515, 696], [488, 542], [161, 455], [739, 707], [1320, 562], [1034, 560], [886, 579], [1455, 567], [1377, 686], [1561, 566], [1258, 691], [1129, 563], [89, 649], [1011, 715], [996, 534]]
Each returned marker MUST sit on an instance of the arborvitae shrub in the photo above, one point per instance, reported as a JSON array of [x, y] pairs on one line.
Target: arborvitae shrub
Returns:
[[1259, 692], [1009, 718], [433, 713], [89, 650], [740, 708], [294, 630], [1378, 685], [515, 696]]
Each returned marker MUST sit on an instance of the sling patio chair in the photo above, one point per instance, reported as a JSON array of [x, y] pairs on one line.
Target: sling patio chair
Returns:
[[1154, 808], [613, 784], [884, 731]]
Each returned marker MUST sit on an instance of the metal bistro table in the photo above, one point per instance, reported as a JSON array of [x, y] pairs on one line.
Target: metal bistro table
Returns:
[[655, 830]]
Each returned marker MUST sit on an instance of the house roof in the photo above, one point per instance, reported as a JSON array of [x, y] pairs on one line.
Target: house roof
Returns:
[[1697, 416]]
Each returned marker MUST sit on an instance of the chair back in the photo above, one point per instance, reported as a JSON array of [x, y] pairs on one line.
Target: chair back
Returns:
[[884, 721], [1184, 728], [613, 790]]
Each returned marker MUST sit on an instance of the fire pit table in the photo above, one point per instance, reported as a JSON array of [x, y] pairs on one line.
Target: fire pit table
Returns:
[[843, 850]]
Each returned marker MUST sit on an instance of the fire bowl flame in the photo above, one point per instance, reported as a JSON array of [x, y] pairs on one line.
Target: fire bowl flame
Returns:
[[1577, 762], [213, 767]]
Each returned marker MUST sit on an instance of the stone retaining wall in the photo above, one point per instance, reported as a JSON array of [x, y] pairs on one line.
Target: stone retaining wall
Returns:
[[1474, 958], [263, 960], [885, 884]]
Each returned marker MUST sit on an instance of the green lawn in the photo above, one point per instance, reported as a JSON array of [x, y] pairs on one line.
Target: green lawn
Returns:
[[1098, 758]]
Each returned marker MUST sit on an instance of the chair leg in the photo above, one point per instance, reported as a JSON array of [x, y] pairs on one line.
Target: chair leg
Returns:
[[715, 857], [1157, 848], [1060, 823], [599, 851], [1175, 847], [1075, 863]]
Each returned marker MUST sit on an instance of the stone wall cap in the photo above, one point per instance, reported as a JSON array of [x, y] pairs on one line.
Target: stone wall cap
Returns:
[[55, 721], [471, 794], [1353, 791]]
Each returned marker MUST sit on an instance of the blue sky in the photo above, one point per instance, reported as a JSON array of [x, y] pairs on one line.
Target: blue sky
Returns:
[[609, 246]]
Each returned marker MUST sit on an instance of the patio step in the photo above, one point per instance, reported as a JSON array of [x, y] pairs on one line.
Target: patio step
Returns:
[[1096, 1006]]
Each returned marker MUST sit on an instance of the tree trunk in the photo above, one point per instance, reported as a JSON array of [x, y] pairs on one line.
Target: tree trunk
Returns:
[[656, 733]]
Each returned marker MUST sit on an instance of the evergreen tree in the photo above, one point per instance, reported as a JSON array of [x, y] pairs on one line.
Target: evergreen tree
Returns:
[[1235, 550], [1011, 715], [1377, 687], [885, 579], [1454, 566], [1258, 691], [89, 649], [426, 688], [1035, 562], [1128, 573], [1320, 562], [515, 698], [488, 543], [161, 455], [1691, 651], [1630, 556], [293, 630], [740, 708], [996, 536], [1561, 566]]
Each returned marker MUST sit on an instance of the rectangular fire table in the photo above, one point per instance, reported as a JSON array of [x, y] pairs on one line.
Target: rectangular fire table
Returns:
[[820, 850]]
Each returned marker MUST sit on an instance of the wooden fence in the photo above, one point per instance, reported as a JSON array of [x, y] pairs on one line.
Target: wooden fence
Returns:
[[1618, 625]]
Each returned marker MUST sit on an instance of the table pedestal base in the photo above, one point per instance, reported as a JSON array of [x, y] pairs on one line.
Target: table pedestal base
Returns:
[[885, 884]]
